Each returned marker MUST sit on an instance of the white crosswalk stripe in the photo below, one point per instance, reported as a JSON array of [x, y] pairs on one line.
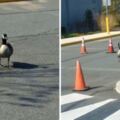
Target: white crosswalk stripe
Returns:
[[75, 113], [77, 97], [114, 116]]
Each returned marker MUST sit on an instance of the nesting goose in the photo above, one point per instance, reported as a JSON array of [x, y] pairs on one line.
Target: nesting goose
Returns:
[[6, 49]]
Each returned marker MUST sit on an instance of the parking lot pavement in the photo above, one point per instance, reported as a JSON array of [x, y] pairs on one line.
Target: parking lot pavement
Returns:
[[29, 89], [28, 24], [29, 6]]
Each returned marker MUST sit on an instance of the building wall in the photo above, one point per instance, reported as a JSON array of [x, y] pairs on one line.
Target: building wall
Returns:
[[73, 11]]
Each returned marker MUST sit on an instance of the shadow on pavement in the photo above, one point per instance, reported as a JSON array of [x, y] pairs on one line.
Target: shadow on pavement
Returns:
[[29, 87], [33, 93], [36, 99], [50, 72], [21, 65]]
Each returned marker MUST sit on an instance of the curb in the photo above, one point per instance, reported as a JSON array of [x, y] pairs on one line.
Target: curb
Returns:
[[88, 40]]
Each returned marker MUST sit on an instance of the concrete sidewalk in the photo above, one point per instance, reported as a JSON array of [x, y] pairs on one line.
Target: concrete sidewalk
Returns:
[[75, 40]]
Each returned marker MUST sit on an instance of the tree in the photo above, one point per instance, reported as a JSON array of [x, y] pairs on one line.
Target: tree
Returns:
[[89, 20]]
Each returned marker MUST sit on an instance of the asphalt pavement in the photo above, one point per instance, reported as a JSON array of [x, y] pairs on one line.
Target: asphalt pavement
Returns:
[[29, 17], [29, 89], [101, 73]]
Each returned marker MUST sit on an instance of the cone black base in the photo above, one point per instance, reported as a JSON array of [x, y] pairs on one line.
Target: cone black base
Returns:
[[85, 89]]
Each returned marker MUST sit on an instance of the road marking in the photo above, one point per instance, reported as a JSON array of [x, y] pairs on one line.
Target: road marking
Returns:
[[73, 114], [65, 99], [114, 116]]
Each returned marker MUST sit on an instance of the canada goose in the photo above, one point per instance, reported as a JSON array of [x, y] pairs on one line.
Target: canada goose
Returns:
[[118, 52], [6, 49], [119, 45]]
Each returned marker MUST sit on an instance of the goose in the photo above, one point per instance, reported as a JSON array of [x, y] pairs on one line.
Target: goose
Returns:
[[6, 49], [118, 52]]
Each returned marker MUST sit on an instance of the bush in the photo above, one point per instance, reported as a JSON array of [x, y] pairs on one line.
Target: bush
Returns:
[[113, 22]]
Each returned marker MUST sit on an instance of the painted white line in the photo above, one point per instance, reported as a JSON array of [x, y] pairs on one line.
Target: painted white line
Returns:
[[114, 116], [73, 98], [73, 114]]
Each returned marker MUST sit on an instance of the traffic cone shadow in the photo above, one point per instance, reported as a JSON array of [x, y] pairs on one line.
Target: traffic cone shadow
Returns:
[[79, 79]]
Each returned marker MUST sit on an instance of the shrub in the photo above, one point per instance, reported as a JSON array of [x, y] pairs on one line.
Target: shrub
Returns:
[[113, 21]]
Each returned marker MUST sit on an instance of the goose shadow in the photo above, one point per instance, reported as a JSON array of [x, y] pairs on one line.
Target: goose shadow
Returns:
[[22, 65]]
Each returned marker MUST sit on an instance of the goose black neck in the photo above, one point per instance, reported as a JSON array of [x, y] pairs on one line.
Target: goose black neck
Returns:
[[4, 41]]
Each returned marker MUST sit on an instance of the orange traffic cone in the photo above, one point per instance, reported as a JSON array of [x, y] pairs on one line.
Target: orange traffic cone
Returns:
[[110, 47], [83, 47], [79, 80]]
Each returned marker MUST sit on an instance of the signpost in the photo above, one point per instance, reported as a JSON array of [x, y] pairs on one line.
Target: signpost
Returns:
[[107, 3]]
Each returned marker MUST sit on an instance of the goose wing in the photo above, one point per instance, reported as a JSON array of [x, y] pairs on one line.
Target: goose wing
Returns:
[[118, 45], [10, 48]]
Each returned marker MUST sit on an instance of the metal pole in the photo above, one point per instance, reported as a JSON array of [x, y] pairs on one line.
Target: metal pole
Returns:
[[107, 18]]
